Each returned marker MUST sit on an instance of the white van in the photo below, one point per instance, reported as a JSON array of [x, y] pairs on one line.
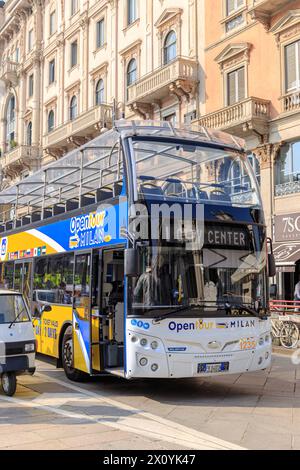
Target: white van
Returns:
[[17, 342]]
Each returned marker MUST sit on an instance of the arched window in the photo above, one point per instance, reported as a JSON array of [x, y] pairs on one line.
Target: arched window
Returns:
[[29, 134], [73, 108], [236, 176], [99, 92], [170, 47], [254, 162], [11, 122], [131, 72], [51, 121]]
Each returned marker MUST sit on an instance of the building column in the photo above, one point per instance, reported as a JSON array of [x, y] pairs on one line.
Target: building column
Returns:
[[20, 135], [84, 25], [36, 108], [61, 114], [267, 155], [3, 134]]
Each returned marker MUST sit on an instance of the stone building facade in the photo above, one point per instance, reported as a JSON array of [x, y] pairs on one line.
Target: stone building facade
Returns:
[[252, 70], [69, 67]]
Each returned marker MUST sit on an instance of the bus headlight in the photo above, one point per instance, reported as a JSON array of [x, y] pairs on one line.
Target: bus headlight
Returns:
[[261, 341], [154, 367], [29, 347], [143, 361], [154, 345], [134, 339], [267, 338], [144, 342]]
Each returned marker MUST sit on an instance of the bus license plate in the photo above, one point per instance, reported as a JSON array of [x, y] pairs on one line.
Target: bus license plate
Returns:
[[213, 368]]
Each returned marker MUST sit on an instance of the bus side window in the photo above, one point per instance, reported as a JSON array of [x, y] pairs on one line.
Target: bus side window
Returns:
[[18, 277], [7, 275], [53, 280]]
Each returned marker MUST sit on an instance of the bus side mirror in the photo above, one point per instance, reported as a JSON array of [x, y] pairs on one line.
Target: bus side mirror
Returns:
[[132, 262], [271, 265], [46, 308], [271, 259], [273, 291]]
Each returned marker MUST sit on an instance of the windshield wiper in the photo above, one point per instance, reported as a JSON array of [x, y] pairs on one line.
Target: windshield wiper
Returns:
[[176, 310], [17, 317], [230, 307]]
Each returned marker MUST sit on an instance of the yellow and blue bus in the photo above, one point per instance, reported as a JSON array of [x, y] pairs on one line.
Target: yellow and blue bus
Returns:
[[149, 244]]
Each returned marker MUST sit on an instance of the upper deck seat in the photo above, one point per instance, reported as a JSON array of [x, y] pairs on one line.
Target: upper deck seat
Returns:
[[203, 195], [219, 195], [195, 193], [151, 190], [103, 194]]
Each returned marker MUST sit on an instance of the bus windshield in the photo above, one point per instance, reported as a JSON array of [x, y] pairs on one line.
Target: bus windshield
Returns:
[[209, 279], [167, 169]]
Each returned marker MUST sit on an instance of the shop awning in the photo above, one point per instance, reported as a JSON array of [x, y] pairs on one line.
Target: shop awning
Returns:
[[286, 254]]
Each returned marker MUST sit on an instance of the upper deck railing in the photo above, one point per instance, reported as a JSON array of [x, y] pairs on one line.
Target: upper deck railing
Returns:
[[88, 174]]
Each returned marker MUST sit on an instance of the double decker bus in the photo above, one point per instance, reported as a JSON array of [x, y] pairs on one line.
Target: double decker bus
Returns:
[[143, 254]]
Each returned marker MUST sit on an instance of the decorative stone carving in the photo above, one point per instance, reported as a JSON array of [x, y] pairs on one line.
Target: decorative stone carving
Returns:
[[287, 27], [143, 110], [267, 154], [233, 54], [55, 153], [78, 141]]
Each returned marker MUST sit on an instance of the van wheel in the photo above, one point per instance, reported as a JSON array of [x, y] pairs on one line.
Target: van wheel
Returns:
[[9, 383], [67, 358]]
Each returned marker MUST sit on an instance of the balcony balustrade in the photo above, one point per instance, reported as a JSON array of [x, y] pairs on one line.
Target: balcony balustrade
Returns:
[[79, 130], [179, 78], [291, 102], [251, 114], [285, 189], [18, 159], [8, 72]]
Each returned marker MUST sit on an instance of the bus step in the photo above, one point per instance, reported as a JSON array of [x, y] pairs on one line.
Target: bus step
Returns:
[[117, 371]]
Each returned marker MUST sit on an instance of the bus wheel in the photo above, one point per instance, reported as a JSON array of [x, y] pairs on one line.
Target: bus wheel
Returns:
[[67, 358], [9, 383]]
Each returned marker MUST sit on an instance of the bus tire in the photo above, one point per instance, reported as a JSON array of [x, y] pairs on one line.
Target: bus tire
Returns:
[[67, 358], [9, 383]]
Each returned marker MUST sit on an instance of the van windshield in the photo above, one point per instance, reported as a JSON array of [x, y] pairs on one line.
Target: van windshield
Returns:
[[11, 307]]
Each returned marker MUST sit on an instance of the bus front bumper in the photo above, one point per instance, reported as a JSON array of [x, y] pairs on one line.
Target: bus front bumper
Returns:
[[185, 365]]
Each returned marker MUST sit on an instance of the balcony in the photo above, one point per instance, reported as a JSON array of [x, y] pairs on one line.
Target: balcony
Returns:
[[179, 78], [8, 72], [263, 10], [77, 132], [241, 119], [284, 189], [290, 102], [21, 158]]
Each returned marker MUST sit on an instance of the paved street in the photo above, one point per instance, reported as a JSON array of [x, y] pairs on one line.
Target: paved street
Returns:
[[254, 411]]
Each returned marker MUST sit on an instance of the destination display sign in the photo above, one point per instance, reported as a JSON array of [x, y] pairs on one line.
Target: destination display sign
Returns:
[[226, 236]]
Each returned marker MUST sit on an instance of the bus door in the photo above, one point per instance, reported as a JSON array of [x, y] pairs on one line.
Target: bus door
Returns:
[[27, 279], [23, 279], [113, 310], [81, 312]]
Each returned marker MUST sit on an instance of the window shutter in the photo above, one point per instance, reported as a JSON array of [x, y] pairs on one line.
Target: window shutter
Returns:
[[241, 84], [290, 66], [230, 6], [231, 88]]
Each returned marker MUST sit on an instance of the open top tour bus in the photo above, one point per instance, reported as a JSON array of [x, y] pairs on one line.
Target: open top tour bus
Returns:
[[150, 246]]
